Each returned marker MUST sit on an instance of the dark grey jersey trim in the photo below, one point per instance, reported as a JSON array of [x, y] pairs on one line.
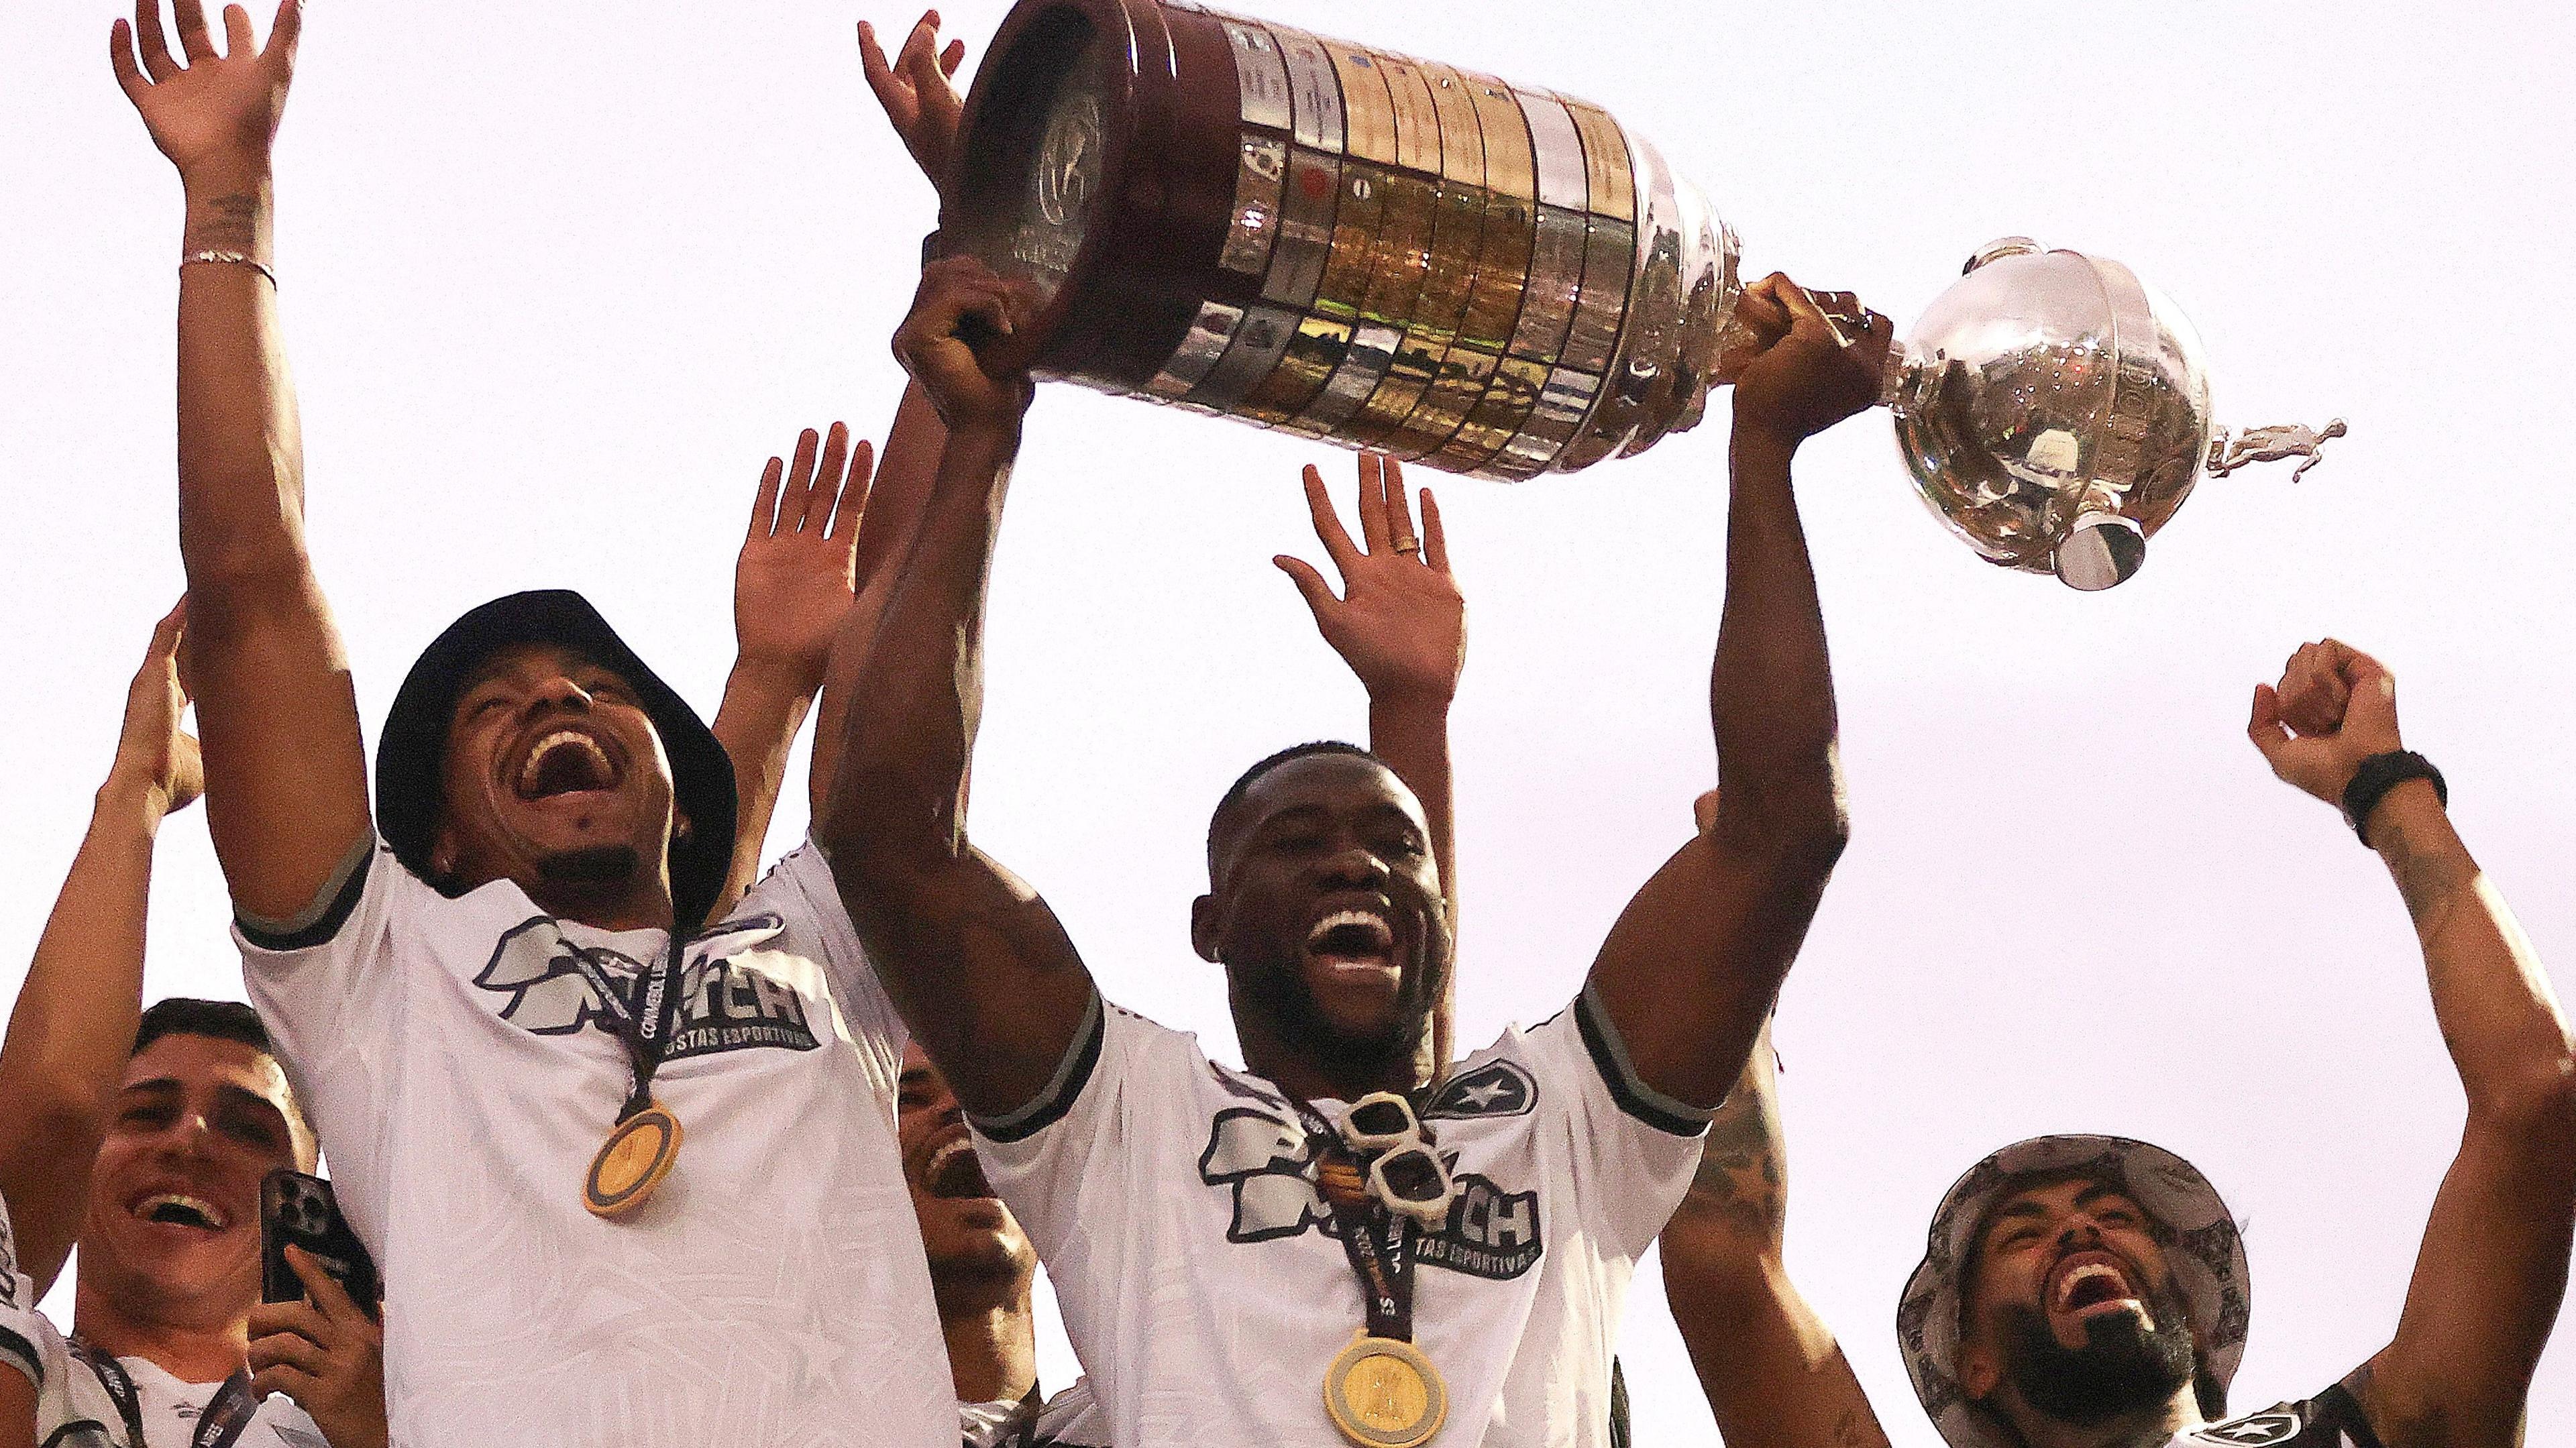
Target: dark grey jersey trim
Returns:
[[316, 923], [1071, 1075], [21, 1353], [1610, 1056]]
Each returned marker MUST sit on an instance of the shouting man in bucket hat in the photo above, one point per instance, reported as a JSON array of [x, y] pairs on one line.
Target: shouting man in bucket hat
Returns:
[[2091, 1291]]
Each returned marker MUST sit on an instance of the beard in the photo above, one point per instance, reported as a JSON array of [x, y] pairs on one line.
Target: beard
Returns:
[[2123, 1366], [1281, 992], [590, 865]]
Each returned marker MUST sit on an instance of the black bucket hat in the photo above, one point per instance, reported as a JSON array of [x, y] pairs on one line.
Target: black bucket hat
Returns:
[[411, 754]]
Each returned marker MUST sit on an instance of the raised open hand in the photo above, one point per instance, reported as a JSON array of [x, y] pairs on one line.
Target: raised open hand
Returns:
[[918, 90], [2335, 707], [797, 577], [1803, 374], [152, 751], [1400, 622], [217, 113]]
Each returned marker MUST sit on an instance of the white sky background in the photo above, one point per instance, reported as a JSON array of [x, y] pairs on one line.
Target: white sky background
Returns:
[[555, 288]]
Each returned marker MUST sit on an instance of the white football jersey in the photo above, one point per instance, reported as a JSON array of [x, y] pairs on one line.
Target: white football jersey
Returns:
[[75, 1409], [461, 1072], [1206, 1291]]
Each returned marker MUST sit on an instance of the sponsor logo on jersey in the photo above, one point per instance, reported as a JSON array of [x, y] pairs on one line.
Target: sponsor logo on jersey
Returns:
[[2255, 1430], [725, 1003], [1265, 1162], [1497, 1088]]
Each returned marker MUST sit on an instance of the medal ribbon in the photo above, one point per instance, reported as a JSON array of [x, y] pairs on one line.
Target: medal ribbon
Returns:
[[645, 1033], [225, 1417], [1378, 1241]]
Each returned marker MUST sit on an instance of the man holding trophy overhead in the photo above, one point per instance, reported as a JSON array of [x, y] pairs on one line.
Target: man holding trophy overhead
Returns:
[[1349, 1241]]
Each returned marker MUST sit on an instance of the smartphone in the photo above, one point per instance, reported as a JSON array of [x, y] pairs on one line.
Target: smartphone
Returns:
[[299, 1210]]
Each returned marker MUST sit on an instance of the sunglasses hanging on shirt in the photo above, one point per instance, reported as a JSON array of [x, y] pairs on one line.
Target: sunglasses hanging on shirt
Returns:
[[1404, 1172]]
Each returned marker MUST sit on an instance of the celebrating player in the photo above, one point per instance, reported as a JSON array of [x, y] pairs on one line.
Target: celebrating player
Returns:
[[2092, 1290], [1179, 1205], [485, 988], [146, 1137]]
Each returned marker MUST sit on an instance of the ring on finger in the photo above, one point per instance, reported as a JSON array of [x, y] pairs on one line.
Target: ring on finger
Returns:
[[1408, 545]]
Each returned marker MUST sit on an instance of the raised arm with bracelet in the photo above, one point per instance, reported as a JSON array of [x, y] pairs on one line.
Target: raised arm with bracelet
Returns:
[[285, 771], [2493, 1267]]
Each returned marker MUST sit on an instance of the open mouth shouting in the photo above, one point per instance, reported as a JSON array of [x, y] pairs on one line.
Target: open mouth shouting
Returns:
[[2086, 1285], [952, 1171], [165, 1206], [1353, 944], [566, 760]]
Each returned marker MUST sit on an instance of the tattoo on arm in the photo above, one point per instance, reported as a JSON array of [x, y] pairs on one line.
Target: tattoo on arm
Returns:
[[230, 223], [2429, 880], [1740, 1176]]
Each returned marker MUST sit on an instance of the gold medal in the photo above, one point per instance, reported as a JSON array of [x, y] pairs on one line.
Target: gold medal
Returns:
[[632, 1162], [1383, 1393]]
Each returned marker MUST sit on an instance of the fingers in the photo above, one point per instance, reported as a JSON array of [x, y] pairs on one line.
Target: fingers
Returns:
[[1373, 521], [120, 58], [237, 41], [2372, 701], [2265, 728], [1328, 524], [165, 634], [1399, 511], [1806, 317], [855, 489], [155, 46], [799, 482], [1318, 594], [1435, 543], [951, 58], [764, 504], [825, 489], [920, 45], [330, 1298], [283, 33], [295, 1383], [872, 64], [281, 1323], [952, 289], [2313, 692], [194, 42]]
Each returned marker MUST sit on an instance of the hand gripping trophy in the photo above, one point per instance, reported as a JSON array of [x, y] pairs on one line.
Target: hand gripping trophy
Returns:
[[1244, 219]]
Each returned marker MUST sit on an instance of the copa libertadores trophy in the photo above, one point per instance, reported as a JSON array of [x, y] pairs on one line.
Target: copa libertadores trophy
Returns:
[[1245, 219]]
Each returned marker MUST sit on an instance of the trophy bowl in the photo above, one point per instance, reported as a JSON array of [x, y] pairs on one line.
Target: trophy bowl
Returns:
[[1353, 245]]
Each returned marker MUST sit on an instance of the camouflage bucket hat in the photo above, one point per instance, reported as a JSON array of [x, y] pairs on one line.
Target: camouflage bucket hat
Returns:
[[2204, 1250]]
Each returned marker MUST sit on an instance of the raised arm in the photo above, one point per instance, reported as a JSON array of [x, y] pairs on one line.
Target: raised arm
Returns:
[[793, 586], [919, 95], [2493, 1267], [977, 963], [1401, 625], [1690, 970], [74, 1023], [285, 770], [1771, 1368]]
